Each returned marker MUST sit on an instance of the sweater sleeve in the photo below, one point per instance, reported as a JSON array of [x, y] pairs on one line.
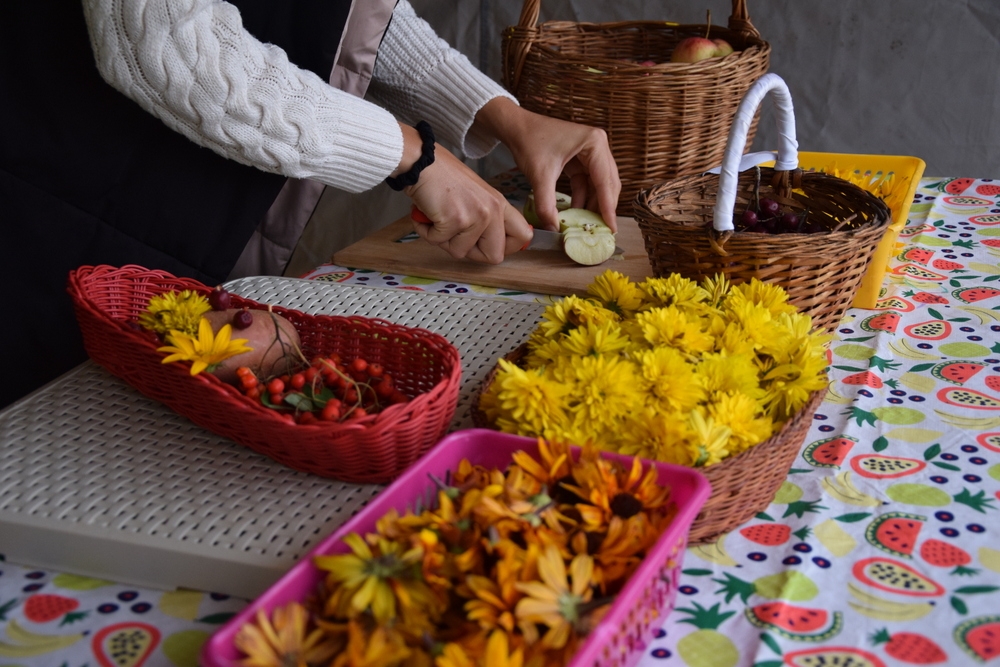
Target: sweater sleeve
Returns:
[[191, 64], [420, 77]]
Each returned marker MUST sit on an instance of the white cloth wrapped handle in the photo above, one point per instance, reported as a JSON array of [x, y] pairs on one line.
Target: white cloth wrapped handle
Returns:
[[788, 147]]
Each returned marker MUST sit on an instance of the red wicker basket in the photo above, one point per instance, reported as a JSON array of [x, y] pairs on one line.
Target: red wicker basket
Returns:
[[374, 449]]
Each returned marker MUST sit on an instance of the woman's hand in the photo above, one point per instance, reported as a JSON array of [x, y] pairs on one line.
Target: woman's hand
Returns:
[[544, 148], [469, 218]]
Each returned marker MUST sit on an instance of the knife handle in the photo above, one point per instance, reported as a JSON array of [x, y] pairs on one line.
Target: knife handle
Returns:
[[419, 216]]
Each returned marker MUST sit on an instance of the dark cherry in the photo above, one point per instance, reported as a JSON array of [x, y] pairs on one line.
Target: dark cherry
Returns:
[[220, 299], [749, 218], [242, 319], [789, 222], [769, 207]]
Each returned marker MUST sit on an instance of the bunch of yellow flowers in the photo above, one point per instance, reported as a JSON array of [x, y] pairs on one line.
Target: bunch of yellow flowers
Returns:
[[507, 568], [667, 369]]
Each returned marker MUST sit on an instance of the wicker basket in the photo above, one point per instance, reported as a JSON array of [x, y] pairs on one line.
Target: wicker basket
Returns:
[[687, 223], [742, 485], [373, 449], [663, 121]]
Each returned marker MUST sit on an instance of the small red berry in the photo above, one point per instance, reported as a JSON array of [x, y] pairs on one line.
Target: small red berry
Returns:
[[249, 381], [307, 418], [331, 411], [276, 386], [385, 388], [275, 398], [298, 381], [375, 370], [359, 365], [399, 397], [253, 392]]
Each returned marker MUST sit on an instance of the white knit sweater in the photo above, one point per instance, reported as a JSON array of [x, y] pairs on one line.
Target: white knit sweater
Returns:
[[191, 64]]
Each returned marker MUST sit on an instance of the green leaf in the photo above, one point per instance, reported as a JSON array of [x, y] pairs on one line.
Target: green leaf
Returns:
[[958, 605], [989, 279], [996, 348], [769, 663], [921, 367], [300, 402], [946, 466], [73, 617], [973, 590], [5, 607], [935, 314], [853, 517], [880, 443], [764, 516], [771, 644], [859, 339], [959, 319], [932, 451], [796, 471], [800, 507], [695, 572], [956, 278], [849, 369], [862, 416], [954, 283], [883, 364]]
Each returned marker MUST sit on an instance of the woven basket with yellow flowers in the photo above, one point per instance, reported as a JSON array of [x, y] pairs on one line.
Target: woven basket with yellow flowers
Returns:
[[717, 376]]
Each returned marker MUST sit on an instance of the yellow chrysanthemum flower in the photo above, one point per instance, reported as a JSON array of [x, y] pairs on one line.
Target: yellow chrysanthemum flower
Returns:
[[674, 290], [531, 397], [671, 378], [660, 435], [672, 327], [175, 311], [710, 437], [564, 316], [604, 389], [721, 373], [617, 293], [205, 351], [593, 340], [771, 297], [744, 418]]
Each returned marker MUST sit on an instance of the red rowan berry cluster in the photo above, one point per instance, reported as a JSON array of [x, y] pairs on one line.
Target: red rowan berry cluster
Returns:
[[327, 391]]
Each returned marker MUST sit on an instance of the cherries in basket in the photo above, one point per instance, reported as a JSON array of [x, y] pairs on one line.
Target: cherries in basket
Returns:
[[769, 217]]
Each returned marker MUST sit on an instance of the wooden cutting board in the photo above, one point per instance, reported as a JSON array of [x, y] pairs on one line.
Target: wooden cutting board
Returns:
[[396, 248]]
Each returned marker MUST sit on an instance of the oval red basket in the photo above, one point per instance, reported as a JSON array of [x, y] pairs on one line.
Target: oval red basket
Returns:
[[374, 449]]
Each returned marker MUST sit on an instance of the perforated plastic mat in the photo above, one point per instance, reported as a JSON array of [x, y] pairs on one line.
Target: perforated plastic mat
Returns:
[[97, 479]]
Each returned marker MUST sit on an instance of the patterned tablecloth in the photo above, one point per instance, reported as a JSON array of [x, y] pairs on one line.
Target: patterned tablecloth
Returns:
[[881, 548]]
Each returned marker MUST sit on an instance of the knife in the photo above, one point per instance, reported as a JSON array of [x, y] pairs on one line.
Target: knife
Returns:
[[542, 239]]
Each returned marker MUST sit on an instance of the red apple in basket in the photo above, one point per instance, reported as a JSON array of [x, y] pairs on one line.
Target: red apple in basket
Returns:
[[722, 47], [694, 49]]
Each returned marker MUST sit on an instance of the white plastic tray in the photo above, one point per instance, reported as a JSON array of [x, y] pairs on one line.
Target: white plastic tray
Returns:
[[96, 479]]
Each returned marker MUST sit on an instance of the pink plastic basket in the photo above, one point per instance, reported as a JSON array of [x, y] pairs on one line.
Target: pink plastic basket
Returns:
[[618, 641]]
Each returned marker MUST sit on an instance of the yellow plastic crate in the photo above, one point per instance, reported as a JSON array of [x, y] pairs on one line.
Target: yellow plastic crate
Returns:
[[873, 167]]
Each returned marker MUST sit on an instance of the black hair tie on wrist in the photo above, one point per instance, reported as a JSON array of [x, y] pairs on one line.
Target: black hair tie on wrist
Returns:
[[426, 159]]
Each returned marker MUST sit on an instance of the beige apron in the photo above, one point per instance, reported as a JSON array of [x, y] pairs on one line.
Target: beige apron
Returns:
[[272, 243]]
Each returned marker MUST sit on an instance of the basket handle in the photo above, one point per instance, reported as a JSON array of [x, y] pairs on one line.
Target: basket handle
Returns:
[[519, 44], [788, 147], [739, 20]]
